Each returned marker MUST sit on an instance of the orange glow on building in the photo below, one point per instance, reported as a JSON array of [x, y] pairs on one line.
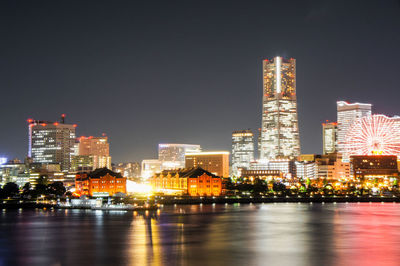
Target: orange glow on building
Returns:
[[101, 181], [216, 162], [192, 182]]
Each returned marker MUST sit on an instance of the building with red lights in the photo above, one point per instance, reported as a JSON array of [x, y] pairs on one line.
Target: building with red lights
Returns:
[[92, 153], [51, 142], [101, 182], [191, 181]]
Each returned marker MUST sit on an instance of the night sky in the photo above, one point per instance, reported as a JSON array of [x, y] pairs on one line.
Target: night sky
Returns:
[[188, 71]]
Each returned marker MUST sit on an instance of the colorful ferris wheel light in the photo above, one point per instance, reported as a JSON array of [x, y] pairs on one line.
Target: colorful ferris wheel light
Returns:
[[374, 135]]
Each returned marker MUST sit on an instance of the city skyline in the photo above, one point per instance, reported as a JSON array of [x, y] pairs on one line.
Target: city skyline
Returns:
[[45, 75]]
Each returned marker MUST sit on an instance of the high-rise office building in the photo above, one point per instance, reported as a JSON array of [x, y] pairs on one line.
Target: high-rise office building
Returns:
[[216, 162], [172, 155], [329, 137], [242, 150], [279, 131], [92, 152], [51, 142], [347, 114]]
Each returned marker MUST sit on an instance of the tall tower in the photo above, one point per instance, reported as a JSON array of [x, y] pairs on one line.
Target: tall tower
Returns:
[[347, 114], [279, 129], [51, 143], [242, 150]]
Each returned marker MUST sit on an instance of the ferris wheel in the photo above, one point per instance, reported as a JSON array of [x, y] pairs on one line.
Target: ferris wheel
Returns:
[[375, 134]]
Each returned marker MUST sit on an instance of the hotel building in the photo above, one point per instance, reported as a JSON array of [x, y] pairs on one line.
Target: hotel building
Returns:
[[347, 114]]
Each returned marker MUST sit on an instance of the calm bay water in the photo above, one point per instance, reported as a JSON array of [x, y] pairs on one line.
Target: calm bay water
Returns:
[[258, 234]]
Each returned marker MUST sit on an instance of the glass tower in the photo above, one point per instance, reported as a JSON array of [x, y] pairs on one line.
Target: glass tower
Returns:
[[242, 150], [279, 129]]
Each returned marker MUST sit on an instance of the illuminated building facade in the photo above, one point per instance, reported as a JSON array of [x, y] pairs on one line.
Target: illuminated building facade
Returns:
[[306, 170], [92, 151], [332, 167], [150, 167], [100, 183], [286, 166], [172, 155], [279, 132], [347, 114], [51, 142], [374, 166], [329, 136], [216, 162], [130, 170], [82, 163], [242, 150], [248, 174], [15, 172], [192, 182]]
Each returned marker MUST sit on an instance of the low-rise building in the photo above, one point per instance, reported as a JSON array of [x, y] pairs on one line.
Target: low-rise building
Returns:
[[374, 166], [306, 170], [100, 183], [285, 166], [192, 182], [262, 174]]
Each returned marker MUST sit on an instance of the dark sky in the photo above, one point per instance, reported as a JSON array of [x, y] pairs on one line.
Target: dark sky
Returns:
[[146, 72]]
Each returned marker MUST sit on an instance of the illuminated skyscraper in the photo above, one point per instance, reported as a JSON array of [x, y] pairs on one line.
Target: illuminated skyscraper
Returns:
[[329, 137], [51, 142], [242, 150], [279, 131], [347, 114]]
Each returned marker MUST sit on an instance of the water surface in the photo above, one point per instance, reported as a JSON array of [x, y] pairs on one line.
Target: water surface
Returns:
[[236, 234]]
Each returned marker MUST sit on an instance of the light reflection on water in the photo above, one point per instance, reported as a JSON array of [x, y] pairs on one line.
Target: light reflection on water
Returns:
[[236, 234]]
